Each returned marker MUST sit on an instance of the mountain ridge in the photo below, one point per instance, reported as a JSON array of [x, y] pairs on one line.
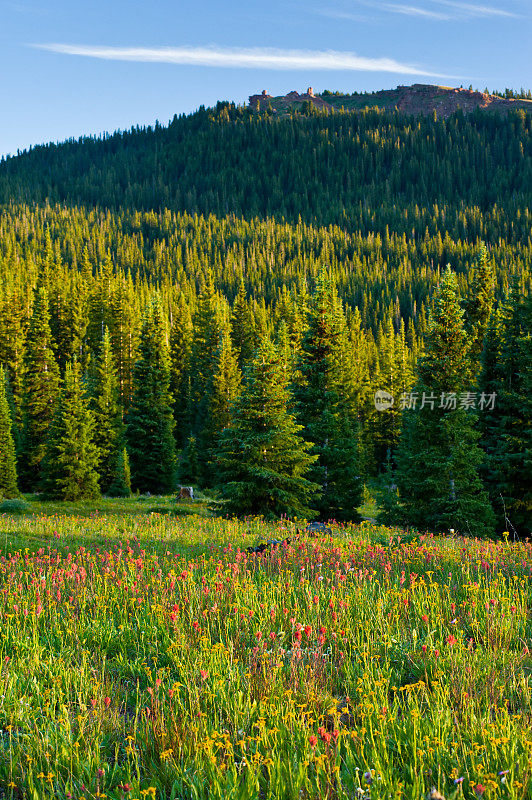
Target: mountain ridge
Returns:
[[419, 98]]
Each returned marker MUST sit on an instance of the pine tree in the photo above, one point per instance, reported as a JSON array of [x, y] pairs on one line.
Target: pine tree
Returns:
[[8, 463], [226, 385], [208, 326], [479, 305], [12, 346], [189, 466], [326, 405], [506, 437], [439, 457], [207, 330], [71, 460], [109, 429], [40, 390], [263, 458], [121, 483], [242, 327], [180, 358], [150, 436]]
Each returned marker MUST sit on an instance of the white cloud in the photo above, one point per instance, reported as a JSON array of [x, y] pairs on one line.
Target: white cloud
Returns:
[[442, 10], [474, 10], [246, 58], [415, 11]]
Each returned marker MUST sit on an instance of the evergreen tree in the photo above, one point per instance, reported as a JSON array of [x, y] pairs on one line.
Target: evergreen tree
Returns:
[[208, 326], [226, 386], [242, 327], [12, 345], [439, 457], [121, 483], [325, 408], [8, 463], [40, 390], [263, 458], [189, 466], [207, 330], [150, 437], [180, 358], [506, 437], [109, 430], [479, 305], [71, 460]]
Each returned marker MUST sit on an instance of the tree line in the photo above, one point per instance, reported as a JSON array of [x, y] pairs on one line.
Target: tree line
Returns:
[[277, 424], [204, 250]]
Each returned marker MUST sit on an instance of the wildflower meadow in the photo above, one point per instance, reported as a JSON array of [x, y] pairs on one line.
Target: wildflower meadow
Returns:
[[151, 656]]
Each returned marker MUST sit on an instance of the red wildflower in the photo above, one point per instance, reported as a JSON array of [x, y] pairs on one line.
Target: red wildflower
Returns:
[[325, 736]]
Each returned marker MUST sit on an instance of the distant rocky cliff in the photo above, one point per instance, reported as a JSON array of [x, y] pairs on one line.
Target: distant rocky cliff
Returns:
[[419, 98]]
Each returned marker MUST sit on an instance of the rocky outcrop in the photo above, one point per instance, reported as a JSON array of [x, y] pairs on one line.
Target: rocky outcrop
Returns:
[[420, 98]]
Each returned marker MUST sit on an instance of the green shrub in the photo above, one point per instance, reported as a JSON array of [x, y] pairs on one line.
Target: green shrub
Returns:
[[14, 507]]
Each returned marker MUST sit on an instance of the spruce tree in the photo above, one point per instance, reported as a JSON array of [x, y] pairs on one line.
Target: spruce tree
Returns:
[[506, 430], [439, 457], [150, 436], [263, 459], [326, 405], [189, 465], [40, 389], [12, 345], [226, 385], [71, 460], [121, 482], [208, 326], [242, 327], [479, 305], [109, 429], [180, 360], [8, 463]]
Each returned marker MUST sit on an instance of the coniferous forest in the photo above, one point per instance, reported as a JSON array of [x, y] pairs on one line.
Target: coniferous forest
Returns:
[[217, 302]]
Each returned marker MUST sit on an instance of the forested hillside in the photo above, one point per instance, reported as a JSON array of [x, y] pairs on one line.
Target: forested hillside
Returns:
[[360, 171], [158, 285]]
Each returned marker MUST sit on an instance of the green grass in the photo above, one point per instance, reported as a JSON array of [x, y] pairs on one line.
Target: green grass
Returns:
[[147, 655]]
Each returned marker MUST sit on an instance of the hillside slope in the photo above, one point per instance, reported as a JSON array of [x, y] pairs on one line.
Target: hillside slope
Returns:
[[325, 168]]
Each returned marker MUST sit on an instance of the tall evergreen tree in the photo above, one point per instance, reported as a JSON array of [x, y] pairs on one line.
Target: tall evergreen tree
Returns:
[[71, 460], [109, 429], [121, 482], [326, 408], [180, 359], [12, 345], [242, 327], [263, 458], [8, 463], [226, 386], [208, 326], [506, 430], [150, 436], [479, 305], [439, 457], [40, 390]]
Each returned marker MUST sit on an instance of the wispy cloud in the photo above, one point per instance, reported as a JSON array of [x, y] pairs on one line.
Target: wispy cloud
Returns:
[[415, 11], [474, 10], [246, 58], [438, 10]]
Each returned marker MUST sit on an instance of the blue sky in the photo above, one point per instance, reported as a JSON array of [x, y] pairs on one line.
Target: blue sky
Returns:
[[71, 68]]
